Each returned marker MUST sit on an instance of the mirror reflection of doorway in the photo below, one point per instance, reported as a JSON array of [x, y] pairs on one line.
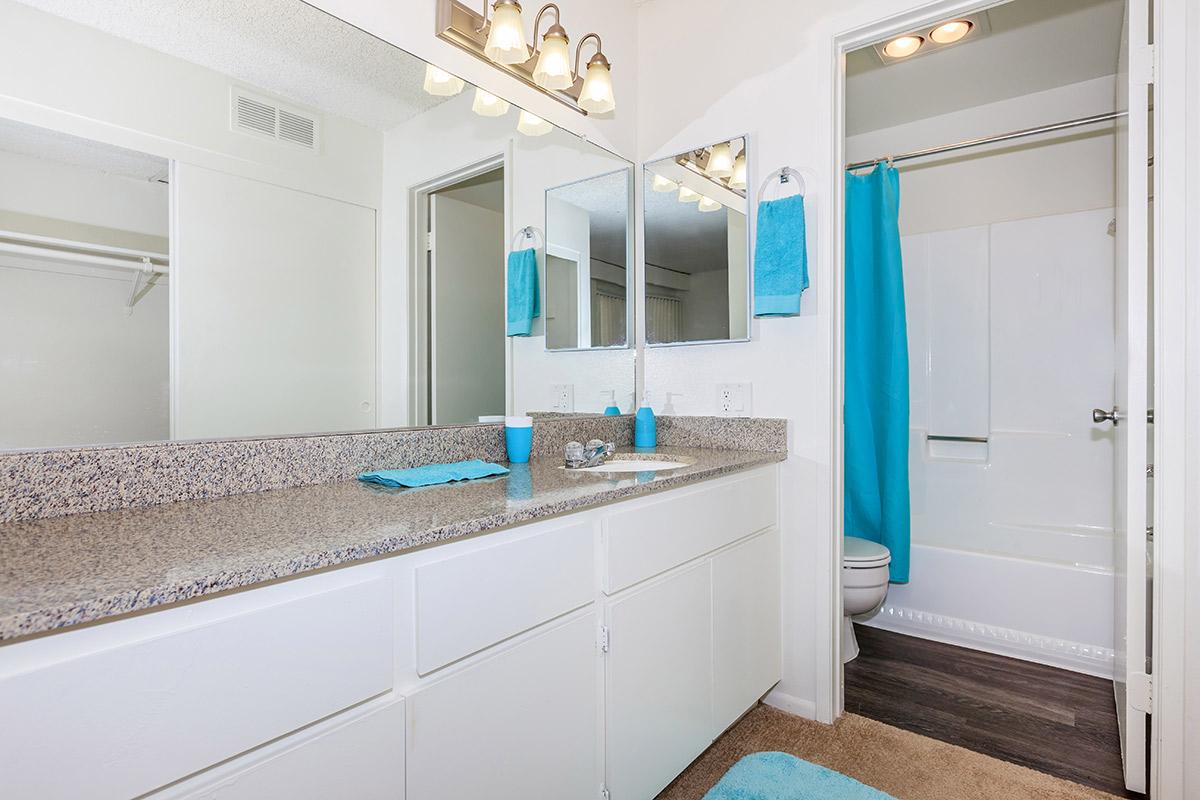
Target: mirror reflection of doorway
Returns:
[[464, 353]]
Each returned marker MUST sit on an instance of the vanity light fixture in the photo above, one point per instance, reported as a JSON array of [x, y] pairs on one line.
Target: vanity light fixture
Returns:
[[950, 32], [553, 70], [687, 195], [506, 38], [720, 161], [738, 179], [903, 46], [661, 184], [487, 104], [440, 83], [707, 205], [533, 125], [501, 42], [596, 96]]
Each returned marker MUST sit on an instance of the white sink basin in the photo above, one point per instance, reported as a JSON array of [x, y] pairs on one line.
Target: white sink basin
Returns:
[[633, 465]]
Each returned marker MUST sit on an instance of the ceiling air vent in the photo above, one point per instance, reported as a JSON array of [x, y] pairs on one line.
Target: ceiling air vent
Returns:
[[261, 116]]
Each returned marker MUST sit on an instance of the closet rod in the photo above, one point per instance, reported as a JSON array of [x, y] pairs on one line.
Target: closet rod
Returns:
[[1003, 137]]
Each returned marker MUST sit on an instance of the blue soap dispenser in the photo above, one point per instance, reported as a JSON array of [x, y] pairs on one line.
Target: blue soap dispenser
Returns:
[[611, 410], [645, 430]]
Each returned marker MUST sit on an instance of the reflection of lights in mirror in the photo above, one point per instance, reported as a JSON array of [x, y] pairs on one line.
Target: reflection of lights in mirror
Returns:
[[720, 161], [707, 205], [533, 125], [661, 184], [722, 164], [440, 83], [488, 105], [688, 195], [738, 179]]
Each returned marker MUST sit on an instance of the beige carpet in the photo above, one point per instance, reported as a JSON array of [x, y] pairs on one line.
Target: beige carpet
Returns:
[[903, 764]]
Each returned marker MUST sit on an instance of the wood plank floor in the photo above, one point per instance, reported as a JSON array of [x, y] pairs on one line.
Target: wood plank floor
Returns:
[[1051, 720]]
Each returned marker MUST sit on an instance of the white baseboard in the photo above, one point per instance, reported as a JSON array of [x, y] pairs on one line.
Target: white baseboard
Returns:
[[1074, 656], [791, 704]]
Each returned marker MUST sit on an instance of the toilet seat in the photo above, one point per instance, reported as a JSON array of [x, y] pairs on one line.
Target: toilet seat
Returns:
[[864, 554]]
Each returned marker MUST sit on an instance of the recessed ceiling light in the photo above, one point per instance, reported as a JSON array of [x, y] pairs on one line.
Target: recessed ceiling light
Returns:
[[903, 46], [949, 32]]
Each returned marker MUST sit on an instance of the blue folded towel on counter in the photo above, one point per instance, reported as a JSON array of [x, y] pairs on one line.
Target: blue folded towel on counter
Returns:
[[431, 474], [524, 301], [780, 257]]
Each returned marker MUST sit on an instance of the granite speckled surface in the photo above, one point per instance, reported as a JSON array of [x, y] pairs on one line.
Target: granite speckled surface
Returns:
[[734, 433], [52, 483], [63, 571]]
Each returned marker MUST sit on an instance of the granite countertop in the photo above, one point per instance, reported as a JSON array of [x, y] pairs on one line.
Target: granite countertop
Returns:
[[64, 571]]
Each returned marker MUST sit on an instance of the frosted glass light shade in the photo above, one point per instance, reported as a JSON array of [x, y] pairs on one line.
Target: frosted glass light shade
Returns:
[[738, 179], [553, 70], [687, 195], [506, 40], [533, 125], [487, 104], [596, 96], [720, 161], [440, 83], [661, 184], [707, 205]]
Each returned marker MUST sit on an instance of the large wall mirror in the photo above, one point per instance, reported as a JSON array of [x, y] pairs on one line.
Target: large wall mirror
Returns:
[[697, 246], [279, 224]]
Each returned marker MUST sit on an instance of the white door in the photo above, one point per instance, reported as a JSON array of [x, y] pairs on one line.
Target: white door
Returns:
[[1128, 415], [466, 312], [273, 309], [659, 681]]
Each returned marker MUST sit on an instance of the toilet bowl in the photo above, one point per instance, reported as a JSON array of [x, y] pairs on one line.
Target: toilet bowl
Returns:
[[864, 585]]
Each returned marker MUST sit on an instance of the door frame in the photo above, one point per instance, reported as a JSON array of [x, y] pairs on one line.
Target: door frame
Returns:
[[1174, 452], [420, 391]]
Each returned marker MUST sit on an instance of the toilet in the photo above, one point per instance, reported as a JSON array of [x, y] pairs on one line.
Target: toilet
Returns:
[[864, 585]]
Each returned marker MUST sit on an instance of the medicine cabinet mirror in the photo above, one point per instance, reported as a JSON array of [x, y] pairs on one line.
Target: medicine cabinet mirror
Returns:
[[697, 271], [301, 230]]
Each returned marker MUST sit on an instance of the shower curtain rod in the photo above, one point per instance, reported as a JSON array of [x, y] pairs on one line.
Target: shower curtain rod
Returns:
[[1003, 137]]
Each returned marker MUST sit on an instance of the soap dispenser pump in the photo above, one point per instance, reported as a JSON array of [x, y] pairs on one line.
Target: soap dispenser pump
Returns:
[[611, 410], [645, 429], [669, 406]]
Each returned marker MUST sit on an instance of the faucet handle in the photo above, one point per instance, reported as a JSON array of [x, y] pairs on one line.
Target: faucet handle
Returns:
[[574, 451]]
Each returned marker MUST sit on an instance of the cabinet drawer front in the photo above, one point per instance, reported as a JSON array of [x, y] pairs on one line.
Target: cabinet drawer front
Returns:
[[122, 721], [472, 601], [646, 541]]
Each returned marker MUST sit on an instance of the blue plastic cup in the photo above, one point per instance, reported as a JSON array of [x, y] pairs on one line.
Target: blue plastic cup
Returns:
[[518, 438]]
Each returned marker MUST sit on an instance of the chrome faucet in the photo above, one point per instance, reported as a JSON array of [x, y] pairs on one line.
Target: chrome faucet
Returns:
[[593, 455]]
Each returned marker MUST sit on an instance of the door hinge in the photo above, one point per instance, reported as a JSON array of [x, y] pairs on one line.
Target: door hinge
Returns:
[[1145, 57], [602, 640], [604, 792], [1141, 691], [1149, 470]]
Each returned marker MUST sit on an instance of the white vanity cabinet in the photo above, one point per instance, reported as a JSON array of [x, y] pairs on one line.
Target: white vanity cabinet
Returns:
[[600, 651]]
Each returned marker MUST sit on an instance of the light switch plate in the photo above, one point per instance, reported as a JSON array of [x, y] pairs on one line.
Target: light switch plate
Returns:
[[562, 397], [734, 399]]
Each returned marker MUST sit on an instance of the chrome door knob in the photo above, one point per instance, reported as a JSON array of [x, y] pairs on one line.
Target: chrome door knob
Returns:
[[1100, 415]]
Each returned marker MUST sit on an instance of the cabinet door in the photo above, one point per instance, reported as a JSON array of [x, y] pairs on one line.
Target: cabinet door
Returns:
[[659, 677], [747, 660], [518, 725]]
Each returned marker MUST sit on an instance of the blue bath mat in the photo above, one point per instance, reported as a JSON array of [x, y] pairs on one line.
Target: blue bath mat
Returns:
[[781, 776]]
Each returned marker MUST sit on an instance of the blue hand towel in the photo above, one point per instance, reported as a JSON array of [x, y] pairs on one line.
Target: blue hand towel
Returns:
[[780, 257], [782, 776], [524, 302], [430, 474]]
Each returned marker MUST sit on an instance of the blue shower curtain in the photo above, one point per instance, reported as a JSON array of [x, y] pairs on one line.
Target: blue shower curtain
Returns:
[[876, 400]]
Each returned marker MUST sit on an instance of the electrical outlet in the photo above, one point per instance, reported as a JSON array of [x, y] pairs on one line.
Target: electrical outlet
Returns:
[[733, 399], [562, 397]]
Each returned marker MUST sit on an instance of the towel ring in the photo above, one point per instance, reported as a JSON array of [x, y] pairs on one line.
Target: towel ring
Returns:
[[782, 176], [524, 235]]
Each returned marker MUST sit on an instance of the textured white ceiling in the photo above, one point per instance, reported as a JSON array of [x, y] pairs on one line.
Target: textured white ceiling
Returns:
[[606, 199], [283, 46], [1034, 45], [30, 140]]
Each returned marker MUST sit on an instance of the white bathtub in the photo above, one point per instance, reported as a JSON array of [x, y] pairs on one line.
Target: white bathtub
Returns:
[[1054, 613]]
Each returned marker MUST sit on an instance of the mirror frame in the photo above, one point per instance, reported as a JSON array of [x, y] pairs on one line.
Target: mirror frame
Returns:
[[633, 273], [751, 207]]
